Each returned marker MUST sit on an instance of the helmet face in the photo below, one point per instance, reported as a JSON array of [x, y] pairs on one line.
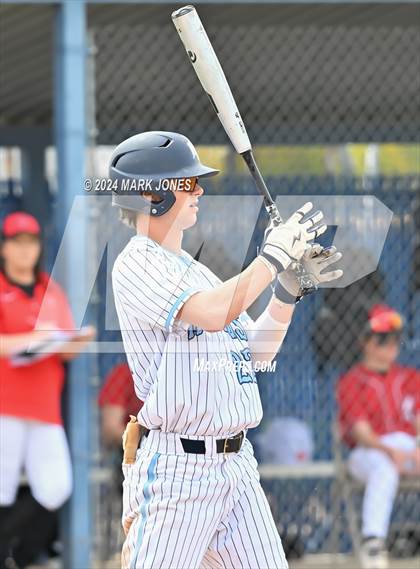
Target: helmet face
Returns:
[[143, 161]]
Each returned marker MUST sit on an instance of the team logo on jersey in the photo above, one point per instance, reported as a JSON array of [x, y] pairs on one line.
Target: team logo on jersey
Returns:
[[194, 331], [234, 362], [407, 408], [243, 366], [236, 331]]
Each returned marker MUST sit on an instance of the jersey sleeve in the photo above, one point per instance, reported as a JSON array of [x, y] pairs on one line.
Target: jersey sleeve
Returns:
[[2, 322], [150, 288], [414, 388], [350, 403]]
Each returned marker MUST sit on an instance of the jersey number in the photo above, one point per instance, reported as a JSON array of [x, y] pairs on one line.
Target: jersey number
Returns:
[[243, 371]]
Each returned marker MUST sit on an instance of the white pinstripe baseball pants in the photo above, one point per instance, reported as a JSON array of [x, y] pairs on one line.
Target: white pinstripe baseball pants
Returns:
[[194, 511]]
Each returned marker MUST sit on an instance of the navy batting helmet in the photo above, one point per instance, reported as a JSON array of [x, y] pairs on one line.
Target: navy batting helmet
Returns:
[[144, 161]]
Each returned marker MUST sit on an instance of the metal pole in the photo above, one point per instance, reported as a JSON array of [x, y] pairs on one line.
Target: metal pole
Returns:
[[70, 133], [98, 511]]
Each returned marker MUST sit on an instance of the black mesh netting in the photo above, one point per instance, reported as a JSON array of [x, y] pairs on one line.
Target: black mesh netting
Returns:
[[303, 75]]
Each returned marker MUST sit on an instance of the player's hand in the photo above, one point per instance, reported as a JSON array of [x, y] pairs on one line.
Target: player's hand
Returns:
[[86, 334], [285, 243], [73, 347], [127, 523], [412, 463], [400, 458], [314, 261]]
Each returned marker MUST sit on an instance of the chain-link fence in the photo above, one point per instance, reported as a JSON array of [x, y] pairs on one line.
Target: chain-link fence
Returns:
[[306, 76], [301, 75]]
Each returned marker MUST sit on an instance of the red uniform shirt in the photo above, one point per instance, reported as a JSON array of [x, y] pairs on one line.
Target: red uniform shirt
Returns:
[[118, 390], [388, 402], [32, 391]]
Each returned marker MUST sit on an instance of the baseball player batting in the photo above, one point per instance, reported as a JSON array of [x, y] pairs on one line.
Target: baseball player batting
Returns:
[[192, 496]]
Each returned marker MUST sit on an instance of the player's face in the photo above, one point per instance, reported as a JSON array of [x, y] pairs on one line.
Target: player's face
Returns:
[[184, 211], [383, 348], [21, 252]]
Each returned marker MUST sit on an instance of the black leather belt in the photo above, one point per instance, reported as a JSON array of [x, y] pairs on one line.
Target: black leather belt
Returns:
[[233, 444]]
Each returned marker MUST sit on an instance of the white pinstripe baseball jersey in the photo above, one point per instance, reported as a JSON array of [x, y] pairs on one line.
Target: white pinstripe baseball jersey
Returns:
[[192, 382]]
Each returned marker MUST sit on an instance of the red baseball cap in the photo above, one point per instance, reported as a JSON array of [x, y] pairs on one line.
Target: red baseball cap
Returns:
[[20, 222], [383, 319]]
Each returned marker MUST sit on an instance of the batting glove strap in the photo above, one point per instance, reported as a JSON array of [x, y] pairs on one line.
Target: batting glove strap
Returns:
[[276, 256], [284, 295]]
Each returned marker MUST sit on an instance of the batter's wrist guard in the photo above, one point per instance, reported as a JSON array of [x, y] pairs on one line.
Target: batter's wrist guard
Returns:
[[284, 295], [281, 261]]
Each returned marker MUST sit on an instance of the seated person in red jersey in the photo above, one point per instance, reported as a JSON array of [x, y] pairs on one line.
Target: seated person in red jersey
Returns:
[[379, 413], [117, 400]]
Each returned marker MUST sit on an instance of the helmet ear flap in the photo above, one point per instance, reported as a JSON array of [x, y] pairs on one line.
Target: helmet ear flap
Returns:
[[158, 209], [139, 203]]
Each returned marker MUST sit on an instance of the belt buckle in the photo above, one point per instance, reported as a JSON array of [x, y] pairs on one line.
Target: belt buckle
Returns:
[[239, 436]]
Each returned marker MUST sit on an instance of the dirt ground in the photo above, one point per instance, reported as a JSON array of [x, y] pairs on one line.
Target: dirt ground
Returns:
[[319, 562], [346, 562]]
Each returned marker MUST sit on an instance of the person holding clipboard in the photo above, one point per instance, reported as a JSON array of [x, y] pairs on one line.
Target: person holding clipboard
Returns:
[[32, 372]]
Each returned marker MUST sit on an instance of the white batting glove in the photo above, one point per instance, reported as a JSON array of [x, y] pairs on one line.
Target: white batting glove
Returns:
[[314, 261], [286, 243]]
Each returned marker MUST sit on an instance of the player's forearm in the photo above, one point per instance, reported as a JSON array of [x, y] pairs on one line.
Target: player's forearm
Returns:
[[212, 310], [113, 424], [112, 434], [269, 331], [72, 349], [365, 436]]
